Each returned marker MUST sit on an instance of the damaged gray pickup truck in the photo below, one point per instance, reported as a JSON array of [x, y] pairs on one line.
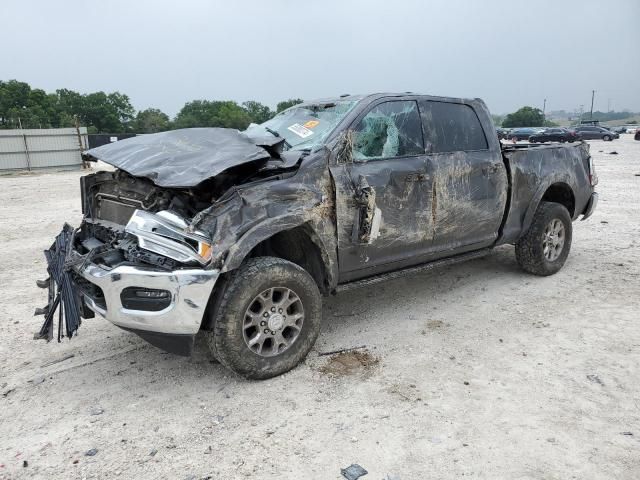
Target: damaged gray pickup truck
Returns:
[[239, 234]]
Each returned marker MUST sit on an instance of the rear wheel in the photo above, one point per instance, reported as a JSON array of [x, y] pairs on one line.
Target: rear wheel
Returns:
[[267, 319], [545, 247]]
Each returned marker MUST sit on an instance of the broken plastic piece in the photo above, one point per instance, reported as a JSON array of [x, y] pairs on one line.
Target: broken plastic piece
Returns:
[[62, 296], [353, 472]]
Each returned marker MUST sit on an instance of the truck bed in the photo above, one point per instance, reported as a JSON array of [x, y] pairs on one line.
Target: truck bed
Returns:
[[532, 170]]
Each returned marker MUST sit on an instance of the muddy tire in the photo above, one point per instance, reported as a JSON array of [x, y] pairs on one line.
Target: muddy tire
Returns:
[[545, 247], [267, 319]]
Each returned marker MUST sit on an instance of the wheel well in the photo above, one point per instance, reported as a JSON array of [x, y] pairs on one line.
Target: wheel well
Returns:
[[297, 246], [561, 193]]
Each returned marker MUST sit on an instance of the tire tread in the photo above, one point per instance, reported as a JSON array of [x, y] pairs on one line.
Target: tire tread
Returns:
[[225, 318], [529, 253]]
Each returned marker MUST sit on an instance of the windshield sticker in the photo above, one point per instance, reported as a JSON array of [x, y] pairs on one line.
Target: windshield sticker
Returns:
[[311, 124], [302, 132]]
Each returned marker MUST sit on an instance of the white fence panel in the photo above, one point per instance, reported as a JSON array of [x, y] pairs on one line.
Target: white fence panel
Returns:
[[42, 148]]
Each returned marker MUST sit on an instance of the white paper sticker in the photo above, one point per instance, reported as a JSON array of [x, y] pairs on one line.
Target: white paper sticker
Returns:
[[299, 130]]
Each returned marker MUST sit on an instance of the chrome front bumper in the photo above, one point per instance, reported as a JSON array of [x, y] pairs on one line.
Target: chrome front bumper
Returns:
[[190, 291]]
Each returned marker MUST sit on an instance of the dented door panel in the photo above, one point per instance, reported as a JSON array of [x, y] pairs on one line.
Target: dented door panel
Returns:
[[469, 195], [470, 181], [402, 189]]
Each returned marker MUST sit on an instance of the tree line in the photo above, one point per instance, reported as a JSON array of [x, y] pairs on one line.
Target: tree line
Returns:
[[533, 117], [22, 106]]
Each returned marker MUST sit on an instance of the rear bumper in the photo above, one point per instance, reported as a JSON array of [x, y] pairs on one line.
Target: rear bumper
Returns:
[[591, 206], [189, 289]]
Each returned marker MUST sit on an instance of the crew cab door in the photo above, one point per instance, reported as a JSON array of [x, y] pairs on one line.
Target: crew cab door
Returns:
[[469, 177], [383, 193]]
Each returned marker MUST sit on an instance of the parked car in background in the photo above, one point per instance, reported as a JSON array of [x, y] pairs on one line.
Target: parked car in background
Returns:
[[502, 133], [587, 132], [632, 128], [637, 135], [555, 135], [522, 133], [618, 129]]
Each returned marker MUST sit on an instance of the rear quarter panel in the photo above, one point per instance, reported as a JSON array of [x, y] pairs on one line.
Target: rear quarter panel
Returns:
[[533, 171]]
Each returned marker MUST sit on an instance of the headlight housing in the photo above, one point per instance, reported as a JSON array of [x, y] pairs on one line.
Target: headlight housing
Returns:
[[165, 233]]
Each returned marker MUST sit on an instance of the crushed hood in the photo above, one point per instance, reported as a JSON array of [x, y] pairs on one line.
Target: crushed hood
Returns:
[[183, 158]]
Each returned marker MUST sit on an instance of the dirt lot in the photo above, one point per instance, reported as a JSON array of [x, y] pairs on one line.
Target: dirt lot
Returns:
[[478, 370]]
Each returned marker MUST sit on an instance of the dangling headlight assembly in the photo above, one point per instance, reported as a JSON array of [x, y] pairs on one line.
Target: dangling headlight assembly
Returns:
[[165, 233]]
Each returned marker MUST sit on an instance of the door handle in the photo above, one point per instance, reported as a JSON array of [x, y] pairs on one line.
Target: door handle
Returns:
[[416, 177], [490, 170]]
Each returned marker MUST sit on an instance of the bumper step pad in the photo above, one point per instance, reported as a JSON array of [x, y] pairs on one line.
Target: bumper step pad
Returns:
[[63, 296]]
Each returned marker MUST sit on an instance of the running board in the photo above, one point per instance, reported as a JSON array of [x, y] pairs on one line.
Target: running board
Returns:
[[365, 282]]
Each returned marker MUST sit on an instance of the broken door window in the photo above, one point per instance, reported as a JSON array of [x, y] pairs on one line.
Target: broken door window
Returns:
[[390, 129]]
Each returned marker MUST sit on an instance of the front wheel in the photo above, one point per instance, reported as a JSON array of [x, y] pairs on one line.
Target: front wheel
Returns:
[[606, 138], [268, 318], [545, 247]]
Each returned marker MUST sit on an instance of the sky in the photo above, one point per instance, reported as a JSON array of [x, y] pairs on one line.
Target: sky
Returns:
[[163, 54]]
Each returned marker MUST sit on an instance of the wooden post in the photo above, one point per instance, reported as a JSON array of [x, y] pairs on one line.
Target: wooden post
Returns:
[[84, 164], [26, 146]]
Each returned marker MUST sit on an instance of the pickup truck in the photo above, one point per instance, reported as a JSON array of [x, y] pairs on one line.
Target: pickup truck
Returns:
[[240, 234]]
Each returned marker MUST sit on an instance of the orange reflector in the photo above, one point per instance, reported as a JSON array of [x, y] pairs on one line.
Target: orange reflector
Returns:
[[204, 250]]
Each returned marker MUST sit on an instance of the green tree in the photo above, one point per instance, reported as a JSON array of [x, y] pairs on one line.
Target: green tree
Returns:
[[98, 111], [524, 117], [106, 113], [121, 104], [151, 120], [258, 112], [69, 104], [21, 105], [287, 103], [205, 113], [497, 119]]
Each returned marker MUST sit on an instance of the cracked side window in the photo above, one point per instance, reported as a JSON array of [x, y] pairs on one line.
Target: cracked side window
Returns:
[[391, 129]]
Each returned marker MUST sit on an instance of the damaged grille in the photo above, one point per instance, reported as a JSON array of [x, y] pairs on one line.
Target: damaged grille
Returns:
[[115, 210]]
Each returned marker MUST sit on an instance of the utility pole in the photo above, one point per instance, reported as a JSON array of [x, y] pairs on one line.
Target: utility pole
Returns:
[[593, 94], [608, 105], [544, 108]]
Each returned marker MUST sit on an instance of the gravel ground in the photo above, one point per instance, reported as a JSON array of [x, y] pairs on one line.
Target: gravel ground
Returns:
[[477, 370]]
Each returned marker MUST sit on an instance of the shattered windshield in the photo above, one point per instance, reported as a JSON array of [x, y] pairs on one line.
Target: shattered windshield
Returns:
[[304, 126]]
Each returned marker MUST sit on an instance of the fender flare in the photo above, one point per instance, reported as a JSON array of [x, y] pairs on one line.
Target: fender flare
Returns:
[[537, 197], [270, 227]]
